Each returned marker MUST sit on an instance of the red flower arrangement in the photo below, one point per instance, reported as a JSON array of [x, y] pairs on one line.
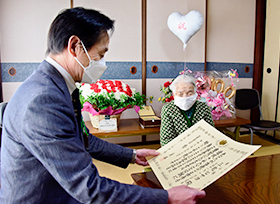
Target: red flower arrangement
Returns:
[[109, 97], [165, 89]]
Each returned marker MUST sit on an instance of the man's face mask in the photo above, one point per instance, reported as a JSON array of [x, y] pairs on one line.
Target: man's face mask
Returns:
[[94, 70]]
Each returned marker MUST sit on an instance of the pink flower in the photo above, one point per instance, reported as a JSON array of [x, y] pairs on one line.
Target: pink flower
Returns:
[[88, 107]]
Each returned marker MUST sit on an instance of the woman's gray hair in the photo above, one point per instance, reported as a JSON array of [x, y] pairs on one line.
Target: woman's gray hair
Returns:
[[183, 79]]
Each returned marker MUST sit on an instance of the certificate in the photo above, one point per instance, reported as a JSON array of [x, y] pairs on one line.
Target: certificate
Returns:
[[198, 157]]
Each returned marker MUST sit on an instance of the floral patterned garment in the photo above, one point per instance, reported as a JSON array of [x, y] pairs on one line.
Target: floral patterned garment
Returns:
[[174, 123]]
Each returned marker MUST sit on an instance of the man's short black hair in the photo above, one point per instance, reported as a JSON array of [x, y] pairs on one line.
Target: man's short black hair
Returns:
[[87, 24]]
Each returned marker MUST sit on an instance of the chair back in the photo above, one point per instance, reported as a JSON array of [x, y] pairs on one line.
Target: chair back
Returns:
[[2, 108], [246, 99]]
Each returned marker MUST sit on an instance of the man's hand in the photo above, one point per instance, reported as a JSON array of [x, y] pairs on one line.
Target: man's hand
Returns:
[[141, 155], [184, 195]]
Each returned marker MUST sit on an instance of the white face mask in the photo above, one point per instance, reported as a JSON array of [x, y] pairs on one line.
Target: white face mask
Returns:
[[94, 70], [185, 103]]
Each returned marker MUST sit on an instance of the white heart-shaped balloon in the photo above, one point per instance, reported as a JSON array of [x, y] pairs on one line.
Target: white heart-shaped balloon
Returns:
[[185, 26]]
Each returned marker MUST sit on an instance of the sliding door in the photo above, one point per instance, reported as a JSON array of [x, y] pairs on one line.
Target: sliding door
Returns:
[[270, 93]]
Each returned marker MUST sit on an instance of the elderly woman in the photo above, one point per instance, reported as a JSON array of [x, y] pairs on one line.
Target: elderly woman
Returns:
[[180, 114]]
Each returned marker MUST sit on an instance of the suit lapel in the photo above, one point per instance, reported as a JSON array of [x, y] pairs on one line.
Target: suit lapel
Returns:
[[57, 78]]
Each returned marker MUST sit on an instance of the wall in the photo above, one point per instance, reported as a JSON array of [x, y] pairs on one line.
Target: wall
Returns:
[[230, 40], [23, 37]]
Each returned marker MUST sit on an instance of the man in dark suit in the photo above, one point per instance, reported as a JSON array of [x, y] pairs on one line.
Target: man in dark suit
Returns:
[[45, 156]]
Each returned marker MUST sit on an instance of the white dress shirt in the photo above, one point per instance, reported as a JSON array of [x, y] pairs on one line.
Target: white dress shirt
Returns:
[[67, 77]]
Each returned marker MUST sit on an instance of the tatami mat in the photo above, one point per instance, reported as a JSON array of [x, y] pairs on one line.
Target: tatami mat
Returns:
[[268, 148]]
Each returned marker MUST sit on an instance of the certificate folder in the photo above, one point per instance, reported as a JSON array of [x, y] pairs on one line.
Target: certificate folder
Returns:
[[198, 157], [148, 118]]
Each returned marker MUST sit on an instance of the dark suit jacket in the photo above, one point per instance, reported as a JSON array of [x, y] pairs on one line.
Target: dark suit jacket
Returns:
[[43, 155]]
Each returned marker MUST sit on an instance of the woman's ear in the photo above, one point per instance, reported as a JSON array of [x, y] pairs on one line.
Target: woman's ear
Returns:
[[74, 45]]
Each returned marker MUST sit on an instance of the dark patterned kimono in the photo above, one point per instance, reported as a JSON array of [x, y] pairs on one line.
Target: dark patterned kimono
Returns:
[[175, 121]]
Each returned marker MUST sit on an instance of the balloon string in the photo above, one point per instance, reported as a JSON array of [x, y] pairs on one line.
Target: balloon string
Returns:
[[185, 61]]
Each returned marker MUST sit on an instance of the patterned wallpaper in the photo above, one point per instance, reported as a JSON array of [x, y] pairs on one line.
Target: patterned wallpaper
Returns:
[[121, 70]]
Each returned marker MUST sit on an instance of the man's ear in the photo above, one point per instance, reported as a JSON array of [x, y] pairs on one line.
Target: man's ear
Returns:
[[74, 45]]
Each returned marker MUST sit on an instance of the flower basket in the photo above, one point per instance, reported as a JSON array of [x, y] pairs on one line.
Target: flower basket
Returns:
[[108, 97]]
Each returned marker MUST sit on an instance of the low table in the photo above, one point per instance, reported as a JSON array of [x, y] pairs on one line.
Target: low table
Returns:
[[127, 127], [131, 127], [255, 180]]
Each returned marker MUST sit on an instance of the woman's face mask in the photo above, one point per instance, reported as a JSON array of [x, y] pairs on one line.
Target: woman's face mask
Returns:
[[185, 103], [94, 70], [185, 96]]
